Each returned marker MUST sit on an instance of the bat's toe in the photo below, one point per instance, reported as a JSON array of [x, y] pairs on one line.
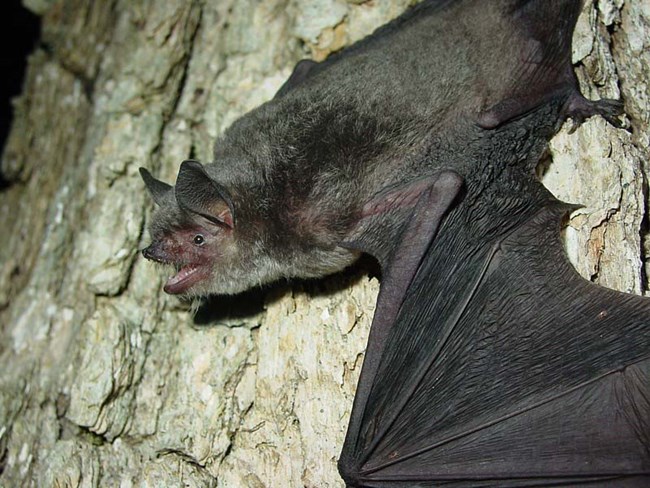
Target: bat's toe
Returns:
[[579, 109]]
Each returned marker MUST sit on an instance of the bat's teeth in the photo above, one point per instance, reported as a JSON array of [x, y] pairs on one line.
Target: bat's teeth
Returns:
[[181, 280]]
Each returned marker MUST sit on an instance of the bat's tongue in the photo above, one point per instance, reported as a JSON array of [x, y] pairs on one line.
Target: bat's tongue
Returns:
[[181, 281]]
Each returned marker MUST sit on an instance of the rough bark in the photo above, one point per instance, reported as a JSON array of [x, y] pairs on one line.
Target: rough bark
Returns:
[[107, 381]]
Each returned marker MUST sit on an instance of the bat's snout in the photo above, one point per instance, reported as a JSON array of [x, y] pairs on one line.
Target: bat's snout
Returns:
[[155, 253], [146, 252]]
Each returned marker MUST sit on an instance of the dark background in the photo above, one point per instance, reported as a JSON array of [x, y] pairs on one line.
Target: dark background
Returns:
[[19, 31]]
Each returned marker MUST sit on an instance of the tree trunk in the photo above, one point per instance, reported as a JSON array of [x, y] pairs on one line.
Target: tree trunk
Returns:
[[105, 380]]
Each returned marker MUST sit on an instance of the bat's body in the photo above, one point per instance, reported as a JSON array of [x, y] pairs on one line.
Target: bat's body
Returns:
[[298, 171], [490, 362]]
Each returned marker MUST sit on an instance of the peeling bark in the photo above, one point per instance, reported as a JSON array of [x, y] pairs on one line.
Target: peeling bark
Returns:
[[107, 381]]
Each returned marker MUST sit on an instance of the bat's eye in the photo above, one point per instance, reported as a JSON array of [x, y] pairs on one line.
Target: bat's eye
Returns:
[[199, 240]]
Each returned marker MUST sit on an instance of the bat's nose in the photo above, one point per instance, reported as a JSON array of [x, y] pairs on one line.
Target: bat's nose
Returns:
[[157, 252], [154, 252], [147, 253]]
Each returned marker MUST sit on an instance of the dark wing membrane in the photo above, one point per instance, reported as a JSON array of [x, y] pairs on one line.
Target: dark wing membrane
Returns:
[[541, 38], [436, 196], [538, 57], [505, 367]]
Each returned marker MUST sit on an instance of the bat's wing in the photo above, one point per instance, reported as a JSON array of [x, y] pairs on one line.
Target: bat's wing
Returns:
[[498, 365], [537, 60]]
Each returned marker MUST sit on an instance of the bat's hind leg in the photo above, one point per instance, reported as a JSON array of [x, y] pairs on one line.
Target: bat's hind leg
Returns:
[[578, 109]]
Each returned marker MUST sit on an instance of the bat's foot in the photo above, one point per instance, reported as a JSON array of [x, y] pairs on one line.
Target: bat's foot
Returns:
[[579, 109]]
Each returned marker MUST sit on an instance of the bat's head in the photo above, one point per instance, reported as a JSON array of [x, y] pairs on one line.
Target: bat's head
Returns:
[[225, 234], [194, 231]]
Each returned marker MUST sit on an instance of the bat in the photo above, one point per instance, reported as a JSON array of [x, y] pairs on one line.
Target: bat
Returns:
[[490, 361]]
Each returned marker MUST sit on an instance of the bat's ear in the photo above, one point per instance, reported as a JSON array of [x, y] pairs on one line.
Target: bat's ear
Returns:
[[397, 217], [157, 189], [198, 193]]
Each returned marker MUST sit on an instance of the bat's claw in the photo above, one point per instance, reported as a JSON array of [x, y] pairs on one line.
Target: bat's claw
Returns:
[[579, 109]]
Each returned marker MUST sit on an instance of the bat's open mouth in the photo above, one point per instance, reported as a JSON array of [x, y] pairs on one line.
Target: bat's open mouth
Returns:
[[188, 276]]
